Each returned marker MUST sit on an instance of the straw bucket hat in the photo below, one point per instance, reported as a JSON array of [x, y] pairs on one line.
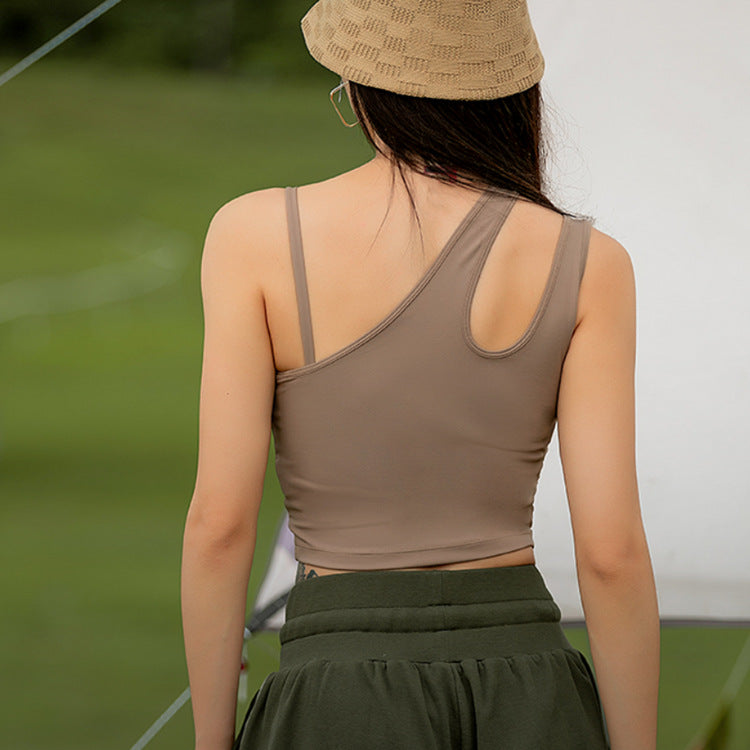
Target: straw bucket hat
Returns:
[[443, 49]]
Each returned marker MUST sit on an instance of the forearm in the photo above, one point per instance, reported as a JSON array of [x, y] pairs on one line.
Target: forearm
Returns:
[[622, 621], [214, 581]]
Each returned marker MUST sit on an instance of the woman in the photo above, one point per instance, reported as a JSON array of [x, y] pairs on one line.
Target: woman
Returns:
[[412, 384]]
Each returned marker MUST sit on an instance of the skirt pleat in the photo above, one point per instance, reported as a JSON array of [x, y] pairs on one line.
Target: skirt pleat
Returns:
[[437, 659]]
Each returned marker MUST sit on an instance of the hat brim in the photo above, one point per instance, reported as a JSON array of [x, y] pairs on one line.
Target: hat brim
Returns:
[[464, 51]]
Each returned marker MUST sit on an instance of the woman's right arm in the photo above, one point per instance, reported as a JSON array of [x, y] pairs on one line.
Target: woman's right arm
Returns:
[[596, 432]]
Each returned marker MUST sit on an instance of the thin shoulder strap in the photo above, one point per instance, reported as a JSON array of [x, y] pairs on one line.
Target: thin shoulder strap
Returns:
[[300, 279], [576, 252], [580, 240], [560, 309]]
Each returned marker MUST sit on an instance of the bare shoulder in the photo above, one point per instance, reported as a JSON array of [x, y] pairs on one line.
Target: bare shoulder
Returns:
[[252, 216], [609, 277], [244, 232]]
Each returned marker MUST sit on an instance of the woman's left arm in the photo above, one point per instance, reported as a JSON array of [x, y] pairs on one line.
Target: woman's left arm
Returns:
[[236, 396]]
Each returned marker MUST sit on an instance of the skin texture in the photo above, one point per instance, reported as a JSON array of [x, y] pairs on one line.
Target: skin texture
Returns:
[[252, 329]]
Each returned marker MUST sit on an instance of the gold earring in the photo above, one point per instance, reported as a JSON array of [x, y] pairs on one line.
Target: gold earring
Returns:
[[333, 91]]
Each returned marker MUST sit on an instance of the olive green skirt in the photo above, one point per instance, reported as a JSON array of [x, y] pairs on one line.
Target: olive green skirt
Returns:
[[426, 659]]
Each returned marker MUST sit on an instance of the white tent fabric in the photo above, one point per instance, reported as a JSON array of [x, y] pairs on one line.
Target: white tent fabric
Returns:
[[649, 122], [279, 576]]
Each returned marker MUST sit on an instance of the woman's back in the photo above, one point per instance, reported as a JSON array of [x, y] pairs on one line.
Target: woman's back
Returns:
[[355, 282], [358, 272]]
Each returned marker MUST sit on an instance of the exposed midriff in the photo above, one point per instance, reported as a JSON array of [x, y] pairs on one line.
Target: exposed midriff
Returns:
[[523, 556]]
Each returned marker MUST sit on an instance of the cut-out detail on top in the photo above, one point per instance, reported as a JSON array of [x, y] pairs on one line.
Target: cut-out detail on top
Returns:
[[527, 335], [291, 373]]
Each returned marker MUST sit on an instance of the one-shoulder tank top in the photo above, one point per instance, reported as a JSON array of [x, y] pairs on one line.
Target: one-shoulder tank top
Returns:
[[414, 446]]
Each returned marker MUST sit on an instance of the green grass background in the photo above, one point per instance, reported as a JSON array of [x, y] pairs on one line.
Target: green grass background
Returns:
[[98, 418]]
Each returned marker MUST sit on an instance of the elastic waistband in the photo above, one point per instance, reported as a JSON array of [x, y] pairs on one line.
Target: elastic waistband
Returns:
[[421, 615], [415, 588]]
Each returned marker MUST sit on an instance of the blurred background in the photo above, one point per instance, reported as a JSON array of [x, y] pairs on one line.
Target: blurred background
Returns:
[[116, 149]]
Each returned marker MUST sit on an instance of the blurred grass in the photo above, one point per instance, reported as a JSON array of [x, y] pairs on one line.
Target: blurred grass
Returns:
[[98, 418]]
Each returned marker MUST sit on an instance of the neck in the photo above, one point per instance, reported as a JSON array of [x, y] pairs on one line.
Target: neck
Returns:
[[382, 163]]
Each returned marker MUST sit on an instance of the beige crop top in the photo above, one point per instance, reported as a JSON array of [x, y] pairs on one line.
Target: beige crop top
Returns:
[[413, 446]]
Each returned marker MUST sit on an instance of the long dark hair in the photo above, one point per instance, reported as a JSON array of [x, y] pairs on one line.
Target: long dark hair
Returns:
[[481, 144]]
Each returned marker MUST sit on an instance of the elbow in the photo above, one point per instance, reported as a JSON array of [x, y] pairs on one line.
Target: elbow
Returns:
[[614, 560], [214, 535], [604, 568]]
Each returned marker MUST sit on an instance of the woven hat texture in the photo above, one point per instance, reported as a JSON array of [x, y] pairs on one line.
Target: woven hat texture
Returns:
[[443, 49]]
